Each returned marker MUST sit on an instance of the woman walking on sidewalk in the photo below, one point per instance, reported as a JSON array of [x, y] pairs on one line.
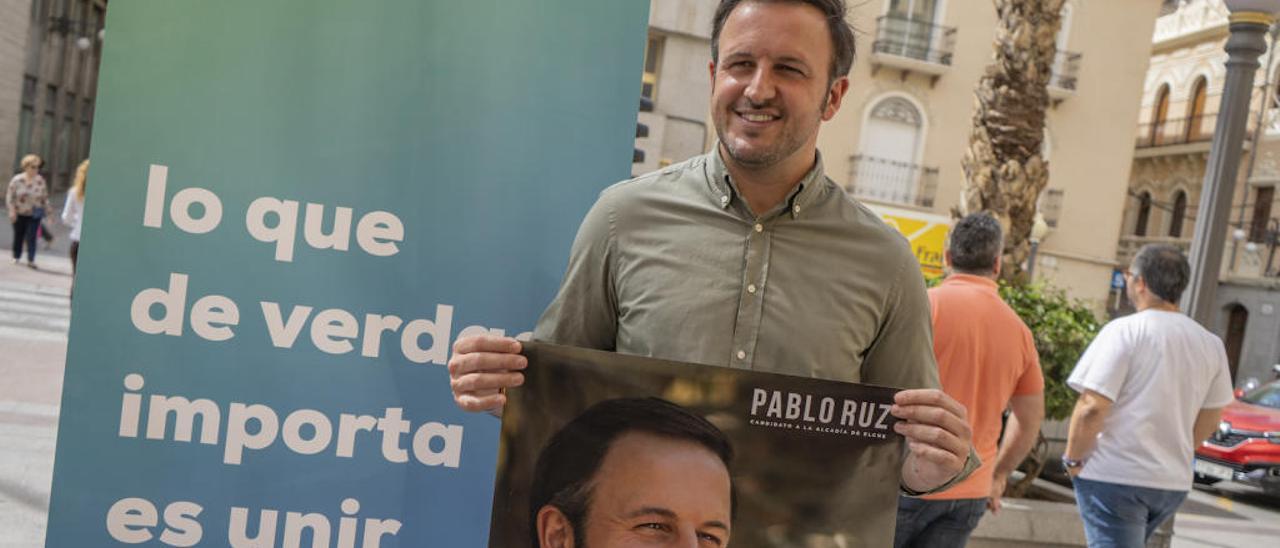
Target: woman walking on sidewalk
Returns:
[[73, 211], [27, 200]]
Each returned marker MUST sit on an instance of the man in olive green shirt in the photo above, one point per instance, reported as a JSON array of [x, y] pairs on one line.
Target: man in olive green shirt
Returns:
[[674, 265], [749, 256]]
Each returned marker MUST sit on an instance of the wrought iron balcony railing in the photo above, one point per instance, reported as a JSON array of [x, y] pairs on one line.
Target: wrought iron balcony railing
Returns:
[[1066, 65], [1255, 255], [1252, 257], [1176, 131], [1130, 244], [914, 39], [890, 181]]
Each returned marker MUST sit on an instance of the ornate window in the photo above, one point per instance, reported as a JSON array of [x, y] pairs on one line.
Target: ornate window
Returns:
[[885, 168], [1179, 213], [898, 110], [1159, 114], [1195, 112], [1144, 214]]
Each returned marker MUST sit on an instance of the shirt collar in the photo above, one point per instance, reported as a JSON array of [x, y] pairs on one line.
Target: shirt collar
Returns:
[[970, 279], [724, 191]]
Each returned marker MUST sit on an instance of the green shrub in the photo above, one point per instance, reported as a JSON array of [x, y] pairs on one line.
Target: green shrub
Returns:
[[1062, 329]]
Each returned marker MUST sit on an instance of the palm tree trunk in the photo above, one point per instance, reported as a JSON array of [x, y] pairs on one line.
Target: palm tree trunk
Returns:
[[1004, 170]]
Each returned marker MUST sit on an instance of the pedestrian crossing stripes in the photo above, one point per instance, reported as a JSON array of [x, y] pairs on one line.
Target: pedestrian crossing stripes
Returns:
[[33, 295], [29, 409], [33, 314]]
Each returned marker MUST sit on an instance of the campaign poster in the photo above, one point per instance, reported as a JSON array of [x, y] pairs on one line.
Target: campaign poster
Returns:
[[628, 448], [298, 206]]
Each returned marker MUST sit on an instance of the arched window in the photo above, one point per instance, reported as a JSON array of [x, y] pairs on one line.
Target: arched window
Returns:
[[1237, 323], [1144, 214], [1179, 213], [1195, 111], [890, 144], [1159, 114]]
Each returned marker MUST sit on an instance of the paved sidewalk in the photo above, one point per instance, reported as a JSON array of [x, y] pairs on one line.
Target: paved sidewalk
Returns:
[[34, 316], [1233, 516]]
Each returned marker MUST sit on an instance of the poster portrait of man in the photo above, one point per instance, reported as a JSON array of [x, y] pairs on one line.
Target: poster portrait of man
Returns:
[[602, 449], [633, 469]]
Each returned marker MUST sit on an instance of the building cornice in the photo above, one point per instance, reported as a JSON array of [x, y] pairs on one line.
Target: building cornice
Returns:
[[1251, 281], [1207, 34], [1079, 257]]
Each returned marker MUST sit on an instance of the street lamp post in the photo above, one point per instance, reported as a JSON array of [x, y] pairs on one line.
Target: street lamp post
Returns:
[[1249, 21]]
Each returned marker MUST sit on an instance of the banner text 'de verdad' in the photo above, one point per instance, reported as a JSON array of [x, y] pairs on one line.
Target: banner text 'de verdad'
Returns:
[[297, 206]]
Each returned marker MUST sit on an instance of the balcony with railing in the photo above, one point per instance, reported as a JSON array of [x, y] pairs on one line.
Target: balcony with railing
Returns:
[[1130, 244], [1196, 131], [1062, 82], [1253, 252], [1248, 256], [912, 45], [892, 182]]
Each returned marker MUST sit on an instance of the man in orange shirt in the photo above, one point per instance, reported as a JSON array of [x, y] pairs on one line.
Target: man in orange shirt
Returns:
[[987, 361]]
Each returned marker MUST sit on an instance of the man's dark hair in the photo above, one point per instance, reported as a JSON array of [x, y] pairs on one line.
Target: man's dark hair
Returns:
[[975, 244], [568, 463], [842, 41], [1165, 270]]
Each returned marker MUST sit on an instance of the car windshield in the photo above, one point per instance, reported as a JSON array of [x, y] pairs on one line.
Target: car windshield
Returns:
[[1267, 395]]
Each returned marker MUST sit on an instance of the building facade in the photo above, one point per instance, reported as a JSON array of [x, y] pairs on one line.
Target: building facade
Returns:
[[676, 80], [49, 56], [904, 125], [1180, 103]]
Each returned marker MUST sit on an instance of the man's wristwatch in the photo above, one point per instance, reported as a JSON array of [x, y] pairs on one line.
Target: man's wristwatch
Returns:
[[1070, 463]]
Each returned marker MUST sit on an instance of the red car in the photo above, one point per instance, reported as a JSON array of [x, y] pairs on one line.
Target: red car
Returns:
[[1246, 447]]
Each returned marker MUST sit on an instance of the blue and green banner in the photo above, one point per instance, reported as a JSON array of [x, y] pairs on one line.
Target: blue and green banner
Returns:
[[297, 207]]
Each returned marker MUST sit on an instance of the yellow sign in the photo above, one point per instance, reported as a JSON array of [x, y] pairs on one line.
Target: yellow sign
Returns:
[[926, 232]]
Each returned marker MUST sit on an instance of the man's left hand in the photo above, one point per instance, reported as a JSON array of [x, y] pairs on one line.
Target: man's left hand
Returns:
[[938, 437]]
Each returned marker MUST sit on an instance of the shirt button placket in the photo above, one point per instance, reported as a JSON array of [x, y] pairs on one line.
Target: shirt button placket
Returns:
[[745, 331], [756, 239]]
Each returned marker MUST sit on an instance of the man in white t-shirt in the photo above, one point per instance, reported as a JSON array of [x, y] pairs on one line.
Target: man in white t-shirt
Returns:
[[1152, 387]]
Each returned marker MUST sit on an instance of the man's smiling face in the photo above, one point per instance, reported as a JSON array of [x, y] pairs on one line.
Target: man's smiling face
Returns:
[[770, 86]]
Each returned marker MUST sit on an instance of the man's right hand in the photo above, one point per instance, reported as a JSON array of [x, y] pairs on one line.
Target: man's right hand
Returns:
[[482, 369], [998, 483]]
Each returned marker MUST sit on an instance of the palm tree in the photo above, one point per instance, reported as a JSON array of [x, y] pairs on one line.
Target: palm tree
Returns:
[[1004, 170]]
